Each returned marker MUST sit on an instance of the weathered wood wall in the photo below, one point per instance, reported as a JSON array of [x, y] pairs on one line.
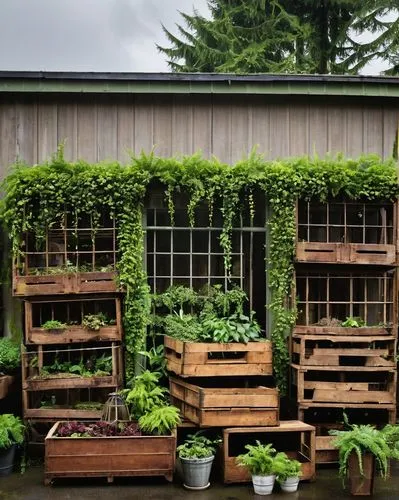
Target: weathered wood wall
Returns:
[[107, 126]]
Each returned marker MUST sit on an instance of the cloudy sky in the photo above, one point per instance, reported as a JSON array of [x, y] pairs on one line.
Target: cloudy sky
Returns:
[[91, 35]]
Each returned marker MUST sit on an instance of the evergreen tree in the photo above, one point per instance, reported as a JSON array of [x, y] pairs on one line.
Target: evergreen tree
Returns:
[[302, 36]]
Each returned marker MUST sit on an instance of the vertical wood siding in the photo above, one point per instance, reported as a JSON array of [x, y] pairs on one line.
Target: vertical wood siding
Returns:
[[101, 127]]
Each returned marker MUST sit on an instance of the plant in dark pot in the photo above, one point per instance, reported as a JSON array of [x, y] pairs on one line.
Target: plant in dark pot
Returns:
[[10, 361], [260, 461], [288, 472], [196, 456], [11, 435], [361, 449]]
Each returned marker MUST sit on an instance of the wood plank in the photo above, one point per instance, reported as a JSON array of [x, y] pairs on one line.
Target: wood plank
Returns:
[[86, 130], [47, 123], [182, 125], [353, 396], [336, 386], [107, 129], [67, 126]]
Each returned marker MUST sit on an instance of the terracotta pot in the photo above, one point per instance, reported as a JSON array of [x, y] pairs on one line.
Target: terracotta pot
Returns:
[[361, 484]]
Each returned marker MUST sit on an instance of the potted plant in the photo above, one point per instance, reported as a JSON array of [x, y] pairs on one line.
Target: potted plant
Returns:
[[259, 460], [360, 449], [196, 456], [11, 435], [288, 472], [54, 326]]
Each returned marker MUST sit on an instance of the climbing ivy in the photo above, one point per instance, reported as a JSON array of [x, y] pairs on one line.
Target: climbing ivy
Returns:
[[37, 197]]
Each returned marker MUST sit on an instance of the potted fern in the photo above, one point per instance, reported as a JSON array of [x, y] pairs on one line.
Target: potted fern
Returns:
[[11, 435], [260, 461], [288, 472], [196, 456], [360, 449]]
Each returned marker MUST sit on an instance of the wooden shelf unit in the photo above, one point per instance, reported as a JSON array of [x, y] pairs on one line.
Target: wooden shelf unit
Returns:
[[295, 438]]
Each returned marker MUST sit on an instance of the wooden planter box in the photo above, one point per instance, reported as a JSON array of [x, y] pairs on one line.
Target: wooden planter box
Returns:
[[214, 406], [195, 359], [290, 432], [369, 331], [109, 456], [345, 253], [339, 350], [93, 282], [5, 383]]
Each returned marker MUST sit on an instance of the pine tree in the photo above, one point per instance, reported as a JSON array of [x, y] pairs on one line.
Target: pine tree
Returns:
[[301, 36]]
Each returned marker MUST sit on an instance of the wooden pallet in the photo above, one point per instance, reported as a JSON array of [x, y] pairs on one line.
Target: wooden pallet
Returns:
[[338, 350], [342, 385], [5, 383], [33, 381], [206, 405], [345, 253], [109, 457], [288, 434], [93, 282], [194, 359], [369, 331]]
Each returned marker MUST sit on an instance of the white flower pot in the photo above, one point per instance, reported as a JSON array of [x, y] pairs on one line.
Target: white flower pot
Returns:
[[290, 484], [263, 485]]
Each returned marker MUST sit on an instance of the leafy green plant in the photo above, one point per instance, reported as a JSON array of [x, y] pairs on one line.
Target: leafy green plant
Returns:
[[236, 328], [10, 356], [94, 321], [391, 435], [361, 439], [354, 322], [285, 467], [160, 420], [53, 324], [155, 360], [198, 446], [259, 459], [145, 394], [182, 326], [11, 430]]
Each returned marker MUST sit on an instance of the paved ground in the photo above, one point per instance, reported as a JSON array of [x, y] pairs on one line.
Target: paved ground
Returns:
[[30, 487]]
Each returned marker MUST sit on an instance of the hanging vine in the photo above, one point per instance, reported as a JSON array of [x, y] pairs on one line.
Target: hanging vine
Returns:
[[36, 198]]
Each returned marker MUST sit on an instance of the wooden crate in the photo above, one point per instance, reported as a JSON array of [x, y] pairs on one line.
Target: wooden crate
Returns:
[[109, 456], [33, 381], [73, 333], [5, 384], [295, 438], [345, 253], [345, 384], [369, 331], [56, 284], [206, 405], [195, 359], [339, 350]]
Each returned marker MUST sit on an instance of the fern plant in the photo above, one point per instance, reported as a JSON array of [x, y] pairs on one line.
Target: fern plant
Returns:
[[160, 420], [391, 435], [259, 459], [11, 430], [285, 467], [198, 446], [145, 394], [361, 439]]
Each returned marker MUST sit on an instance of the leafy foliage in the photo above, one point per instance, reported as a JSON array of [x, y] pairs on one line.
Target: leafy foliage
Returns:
[[53, 324], [97, 429], [235, 328], [359, 440], [285, 467], [160, 420], [198, 446], [11, 430], [10, 356], [391, 435], [259, 459], [355, 322], [94, 321]]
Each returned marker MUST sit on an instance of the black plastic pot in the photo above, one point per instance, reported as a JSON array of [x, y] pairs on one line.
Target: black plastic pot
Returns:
[[7, 460]]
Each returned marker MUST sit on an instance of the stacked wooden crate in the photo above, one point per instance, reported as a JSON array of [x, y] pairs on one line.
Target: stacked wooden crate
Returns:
[[223, 386], [67, 277], [344, 344]]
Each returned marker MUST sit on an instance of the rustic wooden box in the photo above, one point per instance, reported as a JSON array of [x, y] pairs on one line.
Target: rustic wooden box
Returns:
[[206, 405], [345, 253], [33, 381], [288, 433], [195, 359], [343, 385], [109, 456], [92, 282], [5, 383], [369, 331], [340, 350]]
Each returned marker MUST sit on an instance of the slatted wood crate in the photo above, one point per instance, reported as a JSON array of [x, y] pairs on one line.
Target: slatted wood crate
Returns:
[[33, 378], [368, 331], [345, 253], [5, 383], [206, 405], [295, 438], [361, 385], [109, 457], [38, 310], [194, 359], [336, 350], [56, 284]]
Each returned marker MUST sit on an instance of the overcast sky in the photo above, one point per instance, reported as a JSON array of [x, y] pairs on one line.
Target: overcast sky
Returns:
[[91, 35]]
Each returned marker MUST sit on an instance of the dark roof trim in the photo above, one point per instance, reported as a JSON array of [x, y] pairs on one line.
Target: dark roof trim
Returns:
[[197, 83]]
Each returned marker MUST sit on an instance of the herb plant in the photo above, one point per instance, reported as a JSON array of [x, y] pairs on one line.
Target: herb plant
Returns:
[[159, 420], [10, 356], [198, 446], [184, 327], [285, 467], [355, 322], [11, 430], [94, 321], [53, 324], [236, 328], [259, 459]]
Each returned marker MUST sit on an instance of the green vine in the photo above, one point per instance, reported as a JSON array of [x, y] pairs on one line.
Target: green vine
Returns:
[[37, 197]]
